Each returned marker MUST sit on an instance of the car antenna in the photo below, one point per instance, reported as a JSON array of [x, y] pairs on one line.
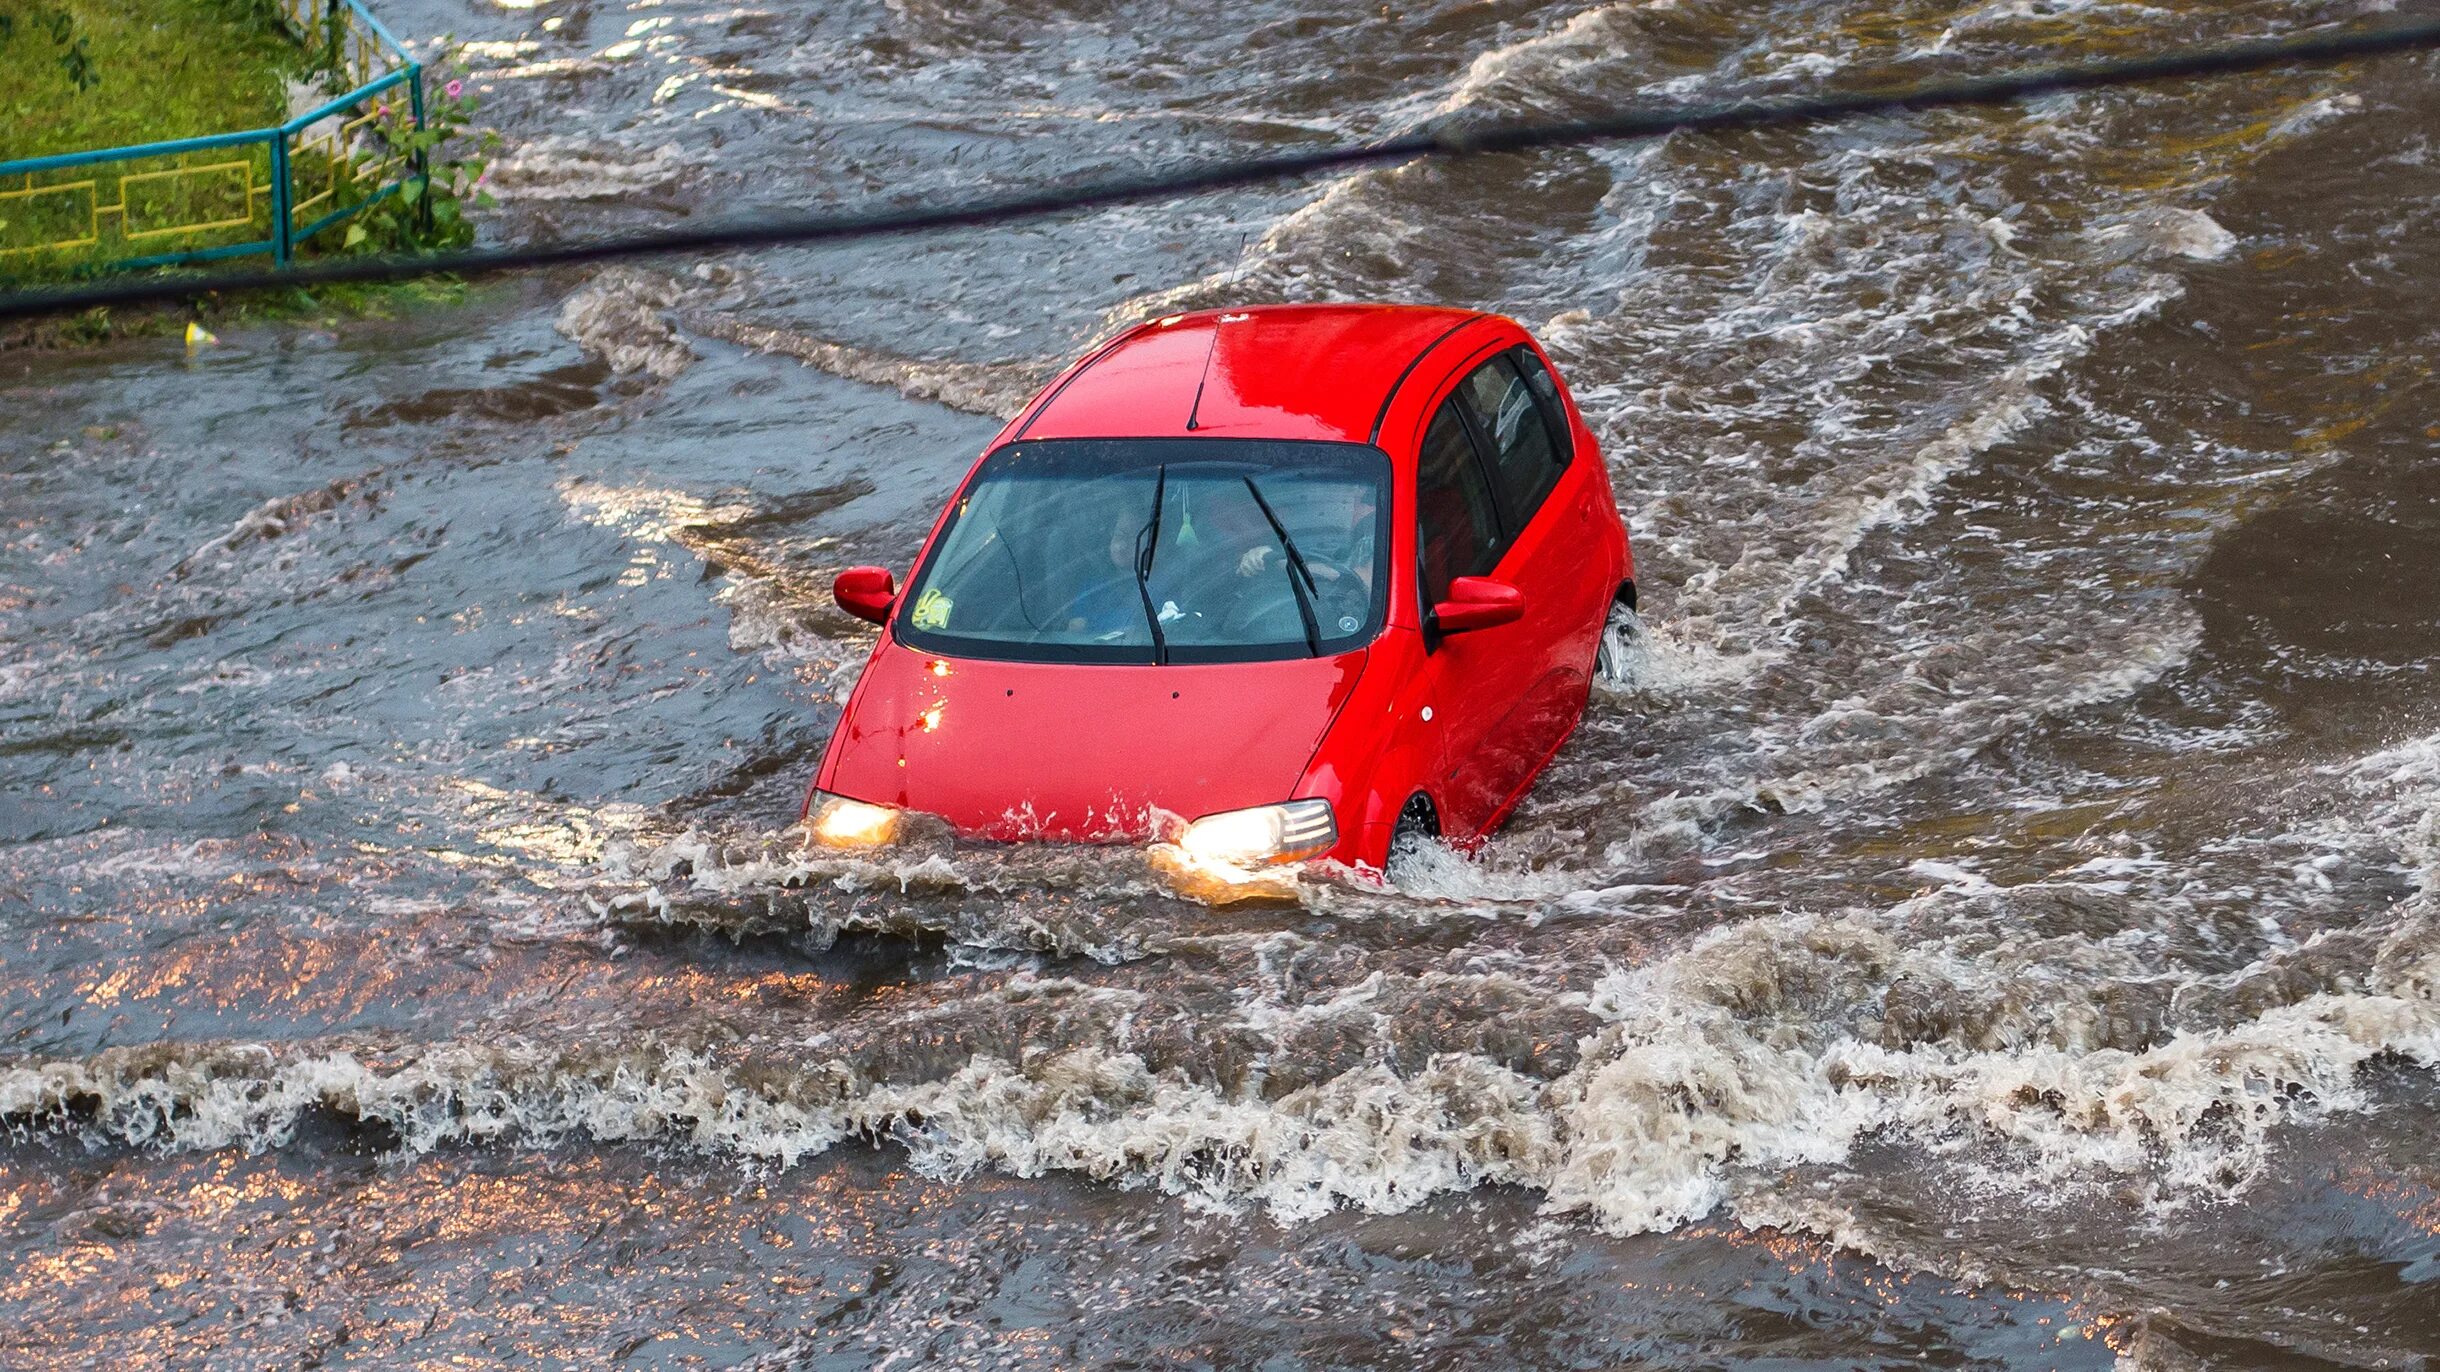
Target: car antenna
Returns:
[[1197, 407]]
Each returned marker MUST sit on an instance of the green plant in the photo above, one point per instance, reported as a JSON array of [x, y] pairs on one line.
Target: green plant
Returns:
[[426, 212]]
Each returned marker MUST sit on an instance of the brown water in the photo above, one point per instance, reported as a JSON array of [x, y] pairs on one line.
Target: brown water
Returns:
[[1997, 928]]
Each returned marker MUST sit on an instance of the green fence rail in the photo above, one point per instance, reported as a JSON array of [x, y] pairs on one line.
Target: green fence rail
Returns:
[[230, 194]]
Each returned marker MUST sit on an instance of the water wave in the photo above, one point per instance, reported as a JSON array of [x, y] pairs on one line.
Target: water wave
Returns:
[[1980, 1025]]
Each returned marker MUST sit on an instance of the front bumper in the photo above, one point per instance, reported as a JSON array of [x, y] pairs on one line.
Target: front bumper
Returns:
[[1256, 836]]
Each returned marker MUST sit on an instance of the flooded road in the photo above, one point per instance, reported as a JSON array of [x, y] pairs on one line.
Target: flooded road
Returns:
[[2000, 926]]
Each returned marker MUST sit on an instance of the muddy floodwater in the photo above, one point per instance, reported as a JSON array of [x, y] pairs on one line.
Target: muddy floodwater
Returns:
[[1998, 926]]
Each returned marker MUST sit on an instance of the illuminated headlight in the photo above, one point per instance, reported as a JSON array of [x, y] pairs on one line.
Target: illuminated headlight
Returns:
[[838, 822], [1266, 833]]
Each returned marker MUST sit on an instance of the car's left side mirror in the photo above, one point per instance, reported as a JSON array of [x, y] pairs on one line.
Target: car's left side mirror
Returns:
[[1478, 602], [865, 592]]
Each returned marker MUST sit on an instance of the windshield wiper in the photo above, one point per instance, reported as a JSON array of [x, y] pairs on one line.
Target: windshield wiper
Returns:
[[1145, 542], [1296, 570]]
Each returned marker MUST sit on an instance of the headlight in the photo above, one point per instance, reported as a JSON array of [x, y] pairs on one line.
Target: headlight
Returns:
[[1266, 833], [838, 822]]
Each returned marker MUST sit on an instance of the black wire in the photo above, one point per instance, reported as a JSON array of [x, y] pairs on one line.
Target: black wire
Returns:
[[2225, 60]]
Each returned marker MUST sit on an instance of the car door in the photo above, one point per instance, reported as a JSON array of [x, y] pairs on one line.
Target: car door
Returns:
[[1544, 554], [1474, 676]]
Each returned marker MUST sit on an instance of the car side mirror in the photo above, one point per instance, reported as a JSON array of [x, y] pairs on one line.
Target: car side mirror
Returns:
[[865, 592], [1478, 602]]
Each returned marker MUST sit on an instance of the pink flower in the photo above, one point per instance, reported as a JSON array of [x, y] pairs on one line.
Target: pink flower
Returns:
[[454, 88], [382, 108]]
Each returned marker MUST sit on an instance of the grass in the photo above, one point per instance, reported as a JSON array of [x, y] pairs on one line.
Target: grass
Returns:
[[84, 75], [160, 69]]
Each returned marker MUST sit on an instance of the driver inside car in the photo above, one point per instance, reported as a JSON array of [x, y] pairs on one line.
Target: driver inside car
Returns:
[[1111, 608], [1206, 529], [1337, 540], [1330, 554]]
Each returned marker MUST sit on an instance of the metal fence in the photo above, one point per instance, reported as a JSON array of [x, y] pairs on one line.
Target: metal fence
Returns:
[[229, 194]]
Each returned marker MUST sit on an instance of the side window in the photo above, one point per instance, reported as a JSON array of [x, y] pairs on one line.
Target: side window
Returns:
[[1460, 527], [1545, 388], [1525, 461]]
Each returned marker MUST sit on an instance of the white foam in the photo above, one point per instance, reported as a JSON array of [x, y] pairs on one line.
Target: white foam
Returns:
[[1437, 872], [558, 167], [1664, 662], [1587, 36], [773, 883], [2167, 231], [995, 389], [275, 517], [2407, 778], [1749, 1052], [620, 316]]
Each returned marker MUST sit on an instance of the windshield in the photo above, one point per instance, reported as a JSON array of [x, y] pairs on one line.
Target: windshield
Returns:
[[1158, 550]]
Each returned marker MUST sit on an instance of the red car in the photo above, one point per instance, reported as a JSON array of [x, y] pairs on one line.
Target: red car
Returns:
[[1301, 581]]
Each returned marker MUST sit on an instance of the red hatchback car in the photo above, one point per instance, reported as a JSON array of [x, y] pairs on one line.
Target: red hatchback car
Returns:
[[1275, 583]]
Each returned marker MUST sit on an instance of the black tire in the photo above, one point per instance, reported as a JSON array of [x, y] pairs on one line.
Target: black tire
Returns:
[[1418, 824], [1615, 655]]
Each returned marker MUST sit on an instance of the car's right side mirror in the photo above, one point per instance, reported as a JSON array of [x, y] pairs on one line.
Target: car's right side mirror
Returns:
[[1478, 602], [865, 592]]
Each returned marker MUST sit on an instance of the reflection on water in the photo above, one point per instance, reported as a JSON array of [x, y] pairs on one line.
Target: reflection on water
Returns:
[[853, 1261], [1992, 927]]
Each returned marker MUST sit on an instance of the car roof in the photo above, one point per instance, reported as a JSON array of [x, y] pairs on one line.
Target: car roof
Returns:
[[1315, 372]]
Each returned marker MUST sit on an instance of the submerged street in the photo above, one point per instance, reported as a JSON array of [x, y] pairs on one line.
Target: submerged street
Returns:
[[1994, 927]]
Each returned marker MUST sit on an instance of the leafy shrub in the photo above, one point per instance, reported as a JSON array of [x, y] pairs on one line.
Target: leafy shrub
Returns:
[[430, 214]]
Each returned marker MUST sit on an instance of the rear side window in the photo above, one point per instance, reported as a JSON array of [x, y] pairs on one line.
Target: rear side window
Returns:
[[1525, 459], [1460, 526], [1545, 388]]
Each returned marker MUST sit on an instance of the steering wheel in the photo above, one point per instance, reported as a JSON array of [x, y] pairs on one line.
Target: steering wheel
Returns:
[[1274, 601]]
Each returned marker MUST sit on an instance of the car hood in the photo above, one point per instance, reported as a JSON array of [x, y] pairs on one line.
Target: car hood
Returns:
[[1016, 750]]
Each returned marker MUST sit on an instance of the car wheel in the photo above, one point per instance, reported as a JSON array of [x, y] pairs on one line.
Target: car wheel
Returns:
[[1613, 660], [1418, 824]]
